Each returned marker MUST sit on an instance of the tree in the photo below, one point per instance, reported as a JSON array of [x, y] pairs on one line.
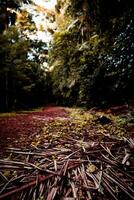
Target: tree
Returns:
[[22, 76], [8, 13], [91, 53]]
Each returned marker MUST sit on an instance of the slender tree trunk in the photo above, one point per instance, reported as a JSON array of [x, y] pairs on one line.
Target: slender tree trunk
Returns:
[[6, 24], [86, 21], [6, 91]]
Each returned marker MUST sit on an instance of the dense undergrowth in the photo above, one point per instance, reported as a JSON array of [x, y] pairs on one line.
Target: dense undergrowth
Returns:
[[93, 63]]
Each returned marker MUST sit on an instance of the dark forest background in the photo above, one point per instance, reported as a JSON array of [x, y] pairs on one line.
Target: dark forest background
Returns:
[[90, 59]]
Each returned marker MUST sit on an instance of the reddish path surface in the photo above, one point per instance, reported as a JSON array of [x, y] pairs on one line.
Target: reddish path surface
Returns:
[[19, 130]]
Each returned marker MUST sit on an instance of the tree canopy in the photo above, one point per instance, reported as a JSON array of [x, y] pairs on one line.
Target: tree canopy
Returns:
[[92, 53], [90, 56]]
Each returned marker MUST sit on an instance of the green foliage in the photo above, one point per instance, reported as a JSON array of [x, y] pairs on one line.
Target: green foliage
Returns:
[[75, 7], [116, 80], [23, 82], [74, 65], [94, 67], [62, 50]]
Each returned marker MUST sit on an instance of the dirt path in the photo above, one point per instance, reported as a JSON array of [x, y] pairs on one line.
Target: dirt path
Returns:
[[19, 130]]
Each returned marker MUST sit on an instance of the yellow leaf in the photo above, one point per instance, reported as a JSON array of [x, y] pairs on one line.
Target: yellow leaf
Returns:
[[91, 168], [6, 173]]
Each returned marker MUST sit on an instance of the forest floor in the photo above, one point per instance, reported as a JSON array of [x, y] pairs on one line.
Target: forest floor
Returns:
[[20, 129], [78, 144]]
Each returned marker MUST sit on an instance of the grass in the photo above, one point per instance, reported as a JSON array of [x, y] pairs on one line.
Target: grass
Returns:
[[13, 113], [7, 114]]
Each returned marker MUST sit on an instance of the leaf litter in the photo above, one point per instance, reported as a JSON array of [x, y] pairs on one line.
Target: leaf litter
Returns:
[[70, 159]]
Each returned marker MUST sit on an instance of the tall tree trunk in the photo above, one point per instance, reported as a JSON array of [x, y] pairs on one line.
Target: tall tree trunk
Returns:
[[6, 91], [6, 25], [86, 21]]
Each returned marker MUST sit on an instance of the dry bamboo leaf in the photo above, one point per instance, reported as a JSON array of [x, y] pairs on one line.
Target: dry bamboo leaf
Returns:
[[58, 166], [52, 193], [109, 188], [120, 185], [74, 190]]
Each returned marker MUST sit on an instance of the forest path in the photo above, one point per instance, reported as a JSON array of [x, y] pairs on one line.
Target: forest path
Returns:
[[24, 129], [18, 130]]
